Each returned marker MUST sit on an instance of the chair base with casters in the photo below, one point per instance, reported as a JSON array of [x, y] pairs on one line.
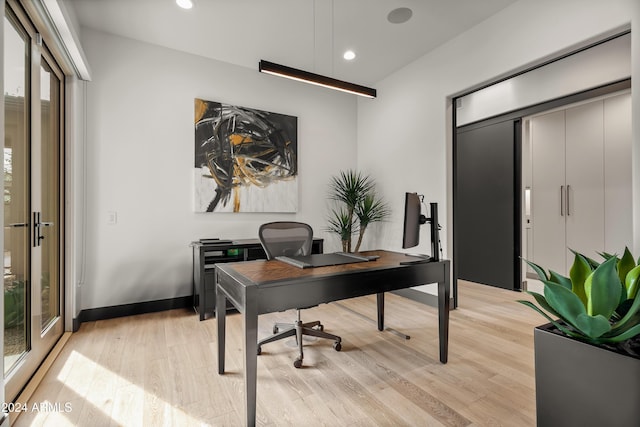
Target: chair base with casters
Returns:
[[298, 330]]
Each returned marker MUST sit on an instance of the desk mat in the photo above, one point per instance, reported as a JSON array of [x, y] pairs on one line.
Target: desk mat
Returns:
[[323, 260]]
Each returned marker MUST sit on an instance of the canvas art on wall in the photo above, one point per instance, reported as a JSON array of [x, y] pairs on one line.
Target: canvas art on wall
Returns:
[[245, 159]]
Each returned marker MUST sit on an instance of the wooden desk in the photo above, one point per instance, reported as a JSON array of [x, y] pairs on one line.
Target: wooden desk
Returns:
[[259, 287], [207, 255]]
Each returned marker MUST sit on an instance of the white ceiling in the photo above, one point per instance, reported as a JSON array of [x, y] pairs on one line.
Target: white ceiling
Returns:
[[306, 34]]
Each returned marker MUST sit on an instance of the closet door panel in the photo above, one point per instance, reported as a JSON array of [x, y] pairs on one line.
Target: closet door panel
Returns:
[[548, 176], [618, 218], [585, 179]]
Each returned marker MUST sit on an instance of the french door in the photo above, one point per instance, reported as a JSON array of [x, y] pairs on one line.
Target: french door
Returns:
[[33, 216]]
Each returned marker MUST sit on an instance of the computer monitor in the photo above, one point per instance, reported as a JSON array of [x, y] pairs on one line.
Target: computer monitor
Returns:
[[413, 219]]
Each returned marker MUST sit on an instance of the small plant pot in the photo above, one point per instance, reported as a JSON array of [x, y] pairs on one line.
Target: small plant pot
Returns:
[[580, 384]]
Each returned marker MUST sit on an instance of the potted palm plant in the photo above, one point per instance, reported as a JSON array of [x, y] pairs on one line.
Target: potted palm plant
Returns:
[[357, 206], [587, 358]]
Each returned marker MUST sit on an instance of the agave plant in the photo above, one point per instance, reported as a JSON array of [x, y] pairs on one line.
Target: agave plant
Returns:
[[599, 303]]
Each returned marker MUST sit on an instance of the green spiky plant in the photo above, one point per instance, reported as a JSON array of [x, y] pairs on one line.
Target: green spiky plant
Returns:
[[341, 223], [370, 209], [599, 303], [359, 206]]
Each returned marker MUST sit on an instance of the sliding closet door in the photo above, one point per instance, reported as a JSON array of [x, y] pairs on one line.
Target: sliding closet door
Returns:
[[581, 182], [487, 204], [618, 209], [548, 207], [585, 180]]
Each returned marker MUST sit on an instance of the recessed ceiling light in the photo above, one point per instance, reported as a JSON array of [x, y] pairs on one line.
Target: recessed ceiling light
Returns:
[[349, 55], [185, 4], [399, 15]]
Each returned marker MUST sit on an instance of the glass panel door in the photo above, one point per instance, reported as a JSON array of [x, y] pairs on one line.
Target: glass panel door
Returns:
[[48, 227], [33, 217], [16, 195]]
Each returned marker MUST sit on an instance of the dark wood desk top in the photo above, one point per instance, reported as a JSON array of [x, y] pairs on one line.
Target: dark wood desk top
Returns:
[[265, 272]]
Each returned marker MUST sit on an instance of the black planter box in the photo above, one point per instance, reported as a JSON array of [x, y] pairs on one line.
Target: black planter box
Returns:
[[579, 384]]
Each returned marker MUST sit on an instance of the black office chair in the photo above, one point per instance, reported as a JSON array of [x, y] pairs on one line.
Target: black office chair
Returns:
[[288, 238]]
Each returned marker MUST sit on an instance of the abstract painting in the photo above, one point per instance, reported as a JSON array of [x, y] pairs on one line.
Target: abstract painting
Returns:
[[245, 159]]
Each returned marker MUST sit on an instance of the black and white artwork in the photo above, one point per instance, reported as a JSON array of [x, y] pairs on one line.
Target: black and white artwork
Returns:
[[245, 159]]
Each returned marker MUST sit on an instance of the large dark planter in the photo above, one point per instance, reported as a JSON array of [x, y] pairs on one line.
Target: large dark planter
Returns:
[[579, 384]]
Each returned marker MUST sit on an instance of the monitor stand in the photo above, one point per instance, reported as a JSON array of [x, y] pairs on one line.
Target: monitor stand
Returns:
[[423, 259]]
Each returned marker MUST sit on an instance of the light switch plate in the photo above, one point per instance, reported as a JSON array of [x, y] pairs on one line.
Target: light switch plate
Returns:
[[112, 217]]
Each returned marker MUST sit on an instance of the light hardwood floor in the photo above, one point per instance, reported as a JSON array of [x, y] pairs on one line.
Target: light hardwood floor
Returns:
[[161, 369]]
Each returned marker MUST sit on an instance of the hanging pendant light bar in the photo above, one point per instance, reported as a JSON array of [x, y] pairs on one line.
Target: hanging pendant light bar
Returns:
[[315, 79]]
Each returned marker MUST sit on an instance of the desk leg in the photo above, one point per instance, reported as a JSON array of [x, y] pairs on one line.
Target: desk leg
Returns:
[[443, 315], [250, 355], [221, 317], [380, 298]]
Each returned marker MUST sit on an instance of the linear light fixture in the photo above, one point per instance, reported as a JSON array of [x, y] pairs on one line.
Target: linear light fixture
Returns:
[[315, 79]]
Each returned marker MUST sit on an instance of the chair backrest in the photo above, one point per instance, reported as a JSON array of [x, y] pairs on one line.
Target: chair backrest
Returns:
[[286, 238]]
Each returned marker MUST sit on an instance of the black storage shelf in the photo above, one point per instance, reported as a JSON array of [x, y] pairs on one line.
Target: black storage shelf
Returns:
[[207, 254]]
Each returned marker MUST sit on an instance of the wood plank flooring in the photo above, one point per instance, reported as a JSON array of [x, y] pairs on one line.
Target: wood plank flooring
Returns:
[[160, 369]]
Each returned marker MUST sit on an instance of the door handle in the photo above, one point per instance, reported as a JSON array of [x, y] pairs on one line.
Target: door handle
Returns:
[[37, 228], [18, 224], [562, 200], [568, 189]]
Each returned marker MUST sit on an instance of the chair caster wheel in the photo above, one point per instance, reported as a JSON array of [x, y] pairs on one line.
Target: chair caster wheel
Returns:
[[337, 346], [297, 363], [275, 329], [259, 350]]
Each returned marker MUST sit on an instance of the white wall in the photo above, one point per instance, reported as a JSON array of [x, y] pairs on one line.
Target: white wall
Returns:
[[602, 64], [140, 153], [406, 133]]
